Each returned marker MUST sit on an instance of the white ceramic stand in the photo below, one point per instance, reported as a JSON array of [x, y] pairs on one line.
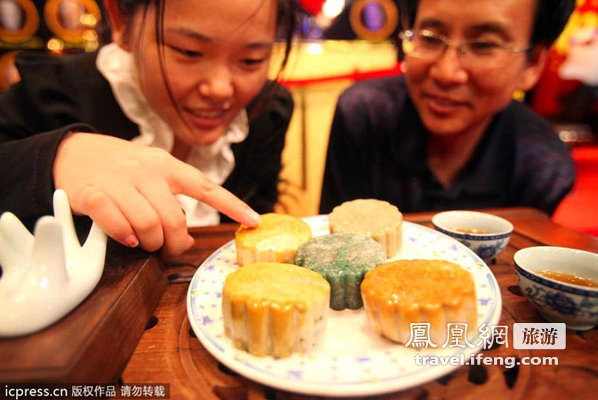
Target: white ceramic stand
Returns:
[[46, 275]]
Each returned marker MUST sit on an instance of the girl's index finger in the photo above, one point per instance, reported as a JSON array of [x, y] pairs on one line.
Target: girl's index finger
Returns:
[[192, 182]]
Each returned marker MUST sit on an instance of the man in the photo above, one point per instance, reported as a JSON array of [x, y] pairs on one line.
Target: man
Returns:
[[447, 134]]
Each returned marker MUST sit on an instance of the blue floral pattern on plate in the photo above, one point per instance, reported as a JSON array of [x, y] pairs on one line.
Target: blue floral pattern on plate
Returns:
[[352, 359]]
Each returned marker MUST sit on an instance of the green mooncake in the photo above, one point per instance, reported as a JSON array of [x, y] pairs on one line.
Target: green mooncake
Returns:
[[342, 259]]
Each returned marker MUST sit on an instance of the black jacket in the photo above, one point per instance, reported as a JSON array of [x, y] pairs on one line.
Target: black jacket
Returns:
[[377, 149], [59, 94]]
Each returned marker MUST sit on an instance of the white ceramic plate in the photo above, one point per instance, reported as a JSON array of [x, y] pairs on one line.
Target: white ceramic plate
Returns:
[[352, 359]]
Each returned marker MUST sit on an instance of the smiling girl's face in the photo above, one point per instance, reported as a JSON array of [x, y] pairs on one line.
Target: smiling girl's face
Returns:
[[216, 56]]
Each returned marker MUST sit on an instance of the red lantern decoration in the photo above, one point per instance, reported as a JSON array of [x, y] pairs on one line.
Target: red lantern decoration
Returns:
[[312, 6]]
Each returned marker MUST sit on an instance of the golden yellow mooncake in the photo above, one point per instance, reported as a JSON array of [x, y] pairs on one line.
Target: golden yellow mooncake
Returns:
[[398, 293], [276, 238], [274, 308], [377, 219]]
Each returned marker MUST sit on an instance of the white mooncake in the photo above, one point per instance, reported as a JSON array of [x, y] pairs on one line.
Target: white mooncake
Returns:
[[377, 219]]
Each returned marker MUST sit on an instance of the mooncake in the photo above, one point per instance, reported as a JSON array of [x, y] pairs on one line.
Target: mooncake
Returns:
[[274, 308], [377, 219], [398, 293], [343, 259], [276, 238]]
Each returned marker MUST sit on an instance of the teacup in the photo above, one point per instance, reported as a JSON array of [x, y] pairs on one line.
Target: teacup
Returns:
[[486, 234], [555, 300]]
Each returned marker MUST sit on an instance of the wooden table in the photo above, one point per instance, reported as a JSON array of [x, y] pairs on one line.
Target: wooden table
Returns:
[[169, 352]]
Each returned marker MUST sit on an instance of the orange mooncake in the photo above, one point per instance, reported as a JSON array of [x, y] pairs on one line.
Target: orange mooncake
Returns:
[[276, 238], [398, 293]]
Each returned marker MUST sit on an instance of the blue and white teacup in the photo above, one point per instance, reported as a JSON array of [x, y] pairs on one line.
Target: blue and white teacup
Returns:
[[555, 300], [486, 234]]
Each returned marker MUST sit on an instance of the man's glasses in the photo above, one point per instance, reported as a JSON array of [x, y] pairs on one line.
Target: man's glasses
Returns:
[[477, 53]]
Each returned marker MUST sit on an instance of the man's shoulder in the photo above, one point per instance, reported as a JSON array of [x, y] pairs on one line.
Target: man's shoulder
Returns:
[[388, 87], [536, 137], [531, 127], [380, 95], [523, 115]]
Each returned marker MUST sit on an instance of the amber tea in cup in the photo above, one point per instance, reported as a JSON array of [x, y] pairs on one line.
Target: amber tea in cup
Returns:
[[570, 278], [472, 230]]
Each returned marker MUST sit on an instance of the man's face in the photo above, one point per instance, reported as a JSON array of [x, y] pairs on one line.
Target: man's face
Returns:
[[216, 61], [452, 96]]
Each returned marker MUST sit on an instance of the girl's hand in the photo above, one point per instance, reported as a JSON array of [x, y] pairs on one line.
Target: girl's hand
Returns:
[[129, 191]]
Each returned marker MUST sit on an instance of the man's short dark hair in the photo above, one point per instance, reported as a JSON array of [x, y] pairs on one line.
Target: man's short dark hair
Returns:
[[551, 18]]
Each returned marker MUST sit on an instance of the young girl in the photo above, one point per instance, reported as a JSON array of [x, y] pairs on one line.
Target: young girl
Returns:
[[182, 105]]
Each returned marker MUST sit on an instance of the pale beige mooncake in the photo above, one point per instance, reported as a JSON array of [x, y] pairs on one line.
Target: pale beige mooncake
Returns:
[[401, 292], [274, 308], [377, 219], [276, 238]]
